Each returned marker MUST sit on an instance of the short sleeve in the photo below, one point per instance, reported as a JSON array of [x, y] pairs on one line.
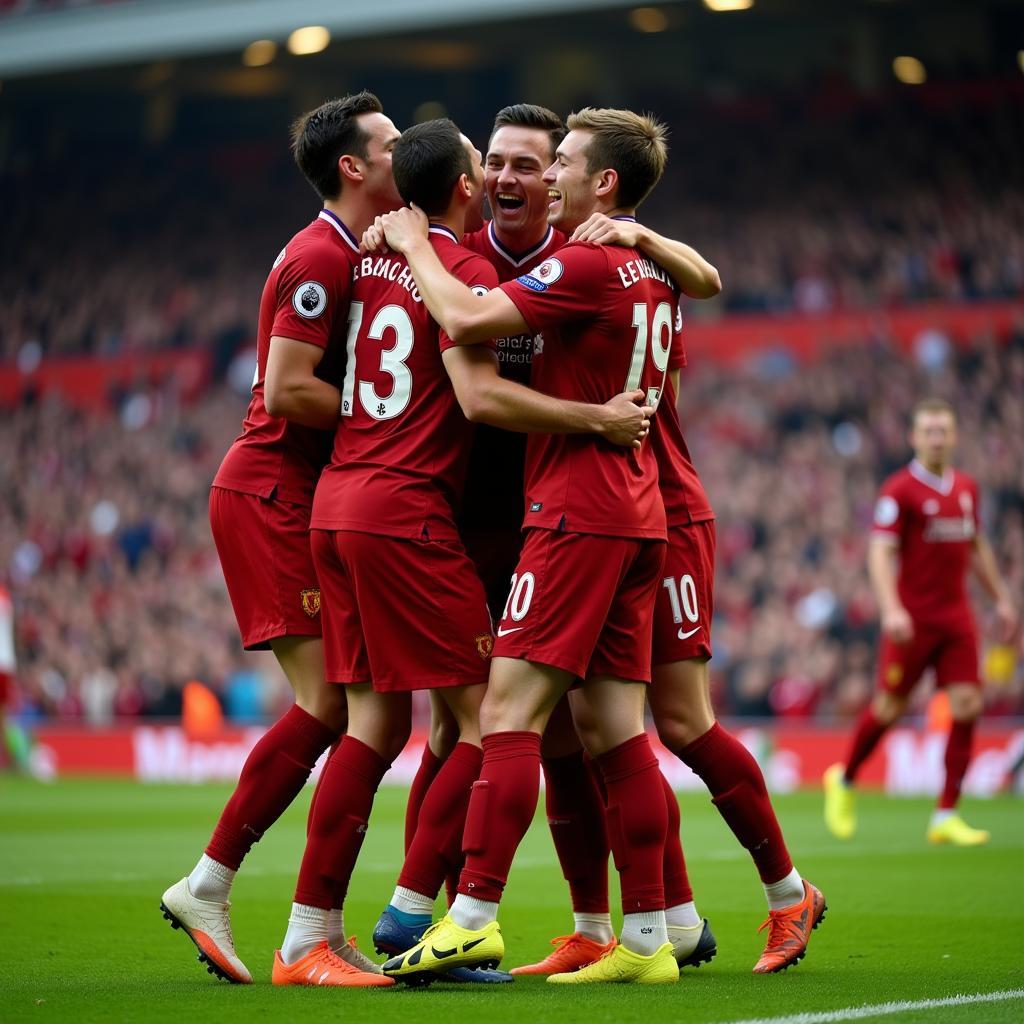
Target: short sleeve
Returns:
[[566, 286], [677, 354], [887, 521], [312, 290], [480, 276]]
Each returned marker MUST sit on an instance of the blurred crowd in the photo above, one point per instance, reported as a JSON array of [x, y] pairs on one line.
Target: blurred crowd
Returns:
[[898, 203], [119, 599]]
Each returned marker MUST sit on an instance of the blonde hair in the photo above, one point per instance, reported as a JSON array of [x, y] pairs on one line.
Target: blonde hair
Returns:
[[633, 145], [931, 405]]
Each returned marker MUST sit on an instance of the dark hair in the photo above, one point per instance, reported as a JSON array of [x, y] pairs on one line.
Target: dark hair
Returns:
[[427, 161], [529, 115], [321, 137], [631, 144]]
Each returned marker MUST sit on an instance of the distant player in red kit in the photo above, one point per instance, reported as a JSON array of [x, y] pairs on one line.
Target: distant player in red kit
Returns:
[[403, 607], [926, 519], [581, 602], [261, 498]]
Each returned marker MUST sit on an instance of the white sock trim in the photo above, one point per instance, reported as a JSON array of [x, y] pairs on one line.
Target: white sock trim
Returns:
[[210, 880], [594, 926], [409, 901], [785, 892], [683, 915], [644, 933], [469, 912]]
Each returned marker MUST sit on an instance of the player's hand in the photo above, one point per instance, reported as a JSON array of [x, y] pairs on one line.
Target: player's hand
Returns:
[[627, 419], [602, 230], [373, 239], [404, 228], [1006, 617], [897, 625]]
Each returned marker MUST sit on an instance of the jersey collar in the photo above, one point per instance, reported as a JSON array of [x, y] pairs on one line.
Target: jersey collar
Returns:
[[943, 484], [440, 229], [339, 225], [517, 260]]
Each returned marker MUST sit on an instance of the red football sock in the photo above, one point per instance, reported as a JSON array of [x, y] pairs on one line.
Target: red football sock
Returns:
[[501, 808], [958, 757], [339, 823], [437, 845], [576, 813], [316, 788], [273, 773], [677, 881], [866, 736], [737, 788], [637, 819], [430, 765]]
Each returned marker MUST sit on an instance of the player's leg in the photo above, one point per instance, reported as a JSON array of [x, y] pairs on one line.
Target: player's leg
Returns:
[[609, 712], [379, 725], [443, 735], [436, 847], [264, 550], [519, 700], [956, 670], [900, 666], [576, 818]]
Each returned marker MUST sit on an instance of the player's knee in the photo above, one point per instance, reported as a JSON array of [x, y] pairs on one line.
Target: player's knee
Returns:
[[965, 703], [328, 705], [444, 734], [887, 707], [679, 727]]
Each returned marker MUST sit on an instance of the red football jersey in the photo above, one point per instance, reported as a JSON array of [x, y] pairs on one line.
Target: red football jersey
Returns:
[[933, 521], [494, 482], [605, 316], [400, 451], [306, 298], [685, 499]]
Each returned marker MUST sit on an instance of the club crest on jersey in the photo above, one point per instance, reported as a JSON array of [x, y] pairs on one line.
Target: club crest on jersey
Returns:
[[484, 645], [893, 675], [309, 299], [310, 602], [541, 278]]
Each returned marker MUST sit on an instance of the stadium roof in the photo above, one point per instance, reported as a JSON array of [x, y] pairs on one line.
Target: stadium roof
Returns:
[[137, 30]]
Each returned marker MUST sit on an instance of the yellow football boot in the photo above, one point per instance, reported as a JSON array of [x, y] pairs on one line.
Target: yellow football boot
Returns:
[[621, 966], [956, 831], [446, 945], [840, 814]]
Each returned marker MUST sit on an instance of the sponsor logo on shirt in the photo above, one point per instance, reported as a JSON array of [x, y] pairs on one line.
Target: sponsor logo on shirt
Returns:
[[309, 300], [948, 529]]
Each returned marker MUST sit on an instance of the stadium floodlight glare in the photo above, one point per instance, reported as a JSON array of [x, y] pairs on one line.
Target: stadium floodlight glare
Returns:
[[261, 52], [909, 70], [728, 5], [311, 39], [648, 19]]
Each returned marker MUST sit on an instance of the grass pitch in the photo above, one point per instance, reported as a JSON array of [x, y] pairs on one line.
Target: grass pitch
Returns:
[[83, 865]]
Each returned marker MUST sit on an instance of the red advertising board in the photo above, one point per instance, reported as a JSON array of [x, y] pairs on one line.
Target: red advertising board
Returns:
[[908, 762]]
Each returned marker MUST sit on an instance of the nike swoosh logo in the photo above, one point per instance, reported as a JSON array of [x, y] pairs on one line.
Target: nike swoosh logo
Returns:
[[469, 945], [686, 636], [442, 953], [505, 632]]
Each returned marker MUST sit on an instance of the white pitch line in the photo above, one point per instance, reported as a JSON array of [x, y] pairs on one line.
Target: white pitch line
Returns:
[[886, 1009]]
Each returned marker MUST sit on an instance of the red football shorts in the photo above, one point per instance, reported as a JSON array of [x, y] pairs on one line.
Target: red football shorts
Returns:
[[685, 602], [583, 603], [953, 655], [406, 615], [263, 546]]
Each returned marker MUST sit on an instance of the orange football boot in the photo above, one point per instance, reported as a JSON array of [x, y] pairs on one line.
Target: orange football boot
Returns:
[[572, 952], [789, 931], [322, 966]]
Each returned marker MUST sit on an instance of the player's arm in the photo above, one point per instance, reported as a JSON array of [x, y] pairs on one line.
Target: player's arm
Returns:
[[291, 388], [691, 272], [487, 397], [675, 376], [466, 318], [987, 571], [883, 557]]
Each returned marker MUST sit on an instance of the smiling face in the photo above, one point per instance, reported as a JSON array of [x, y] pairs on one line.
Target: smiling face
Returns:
[[572, 189], [518, 196], [381, 136]]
